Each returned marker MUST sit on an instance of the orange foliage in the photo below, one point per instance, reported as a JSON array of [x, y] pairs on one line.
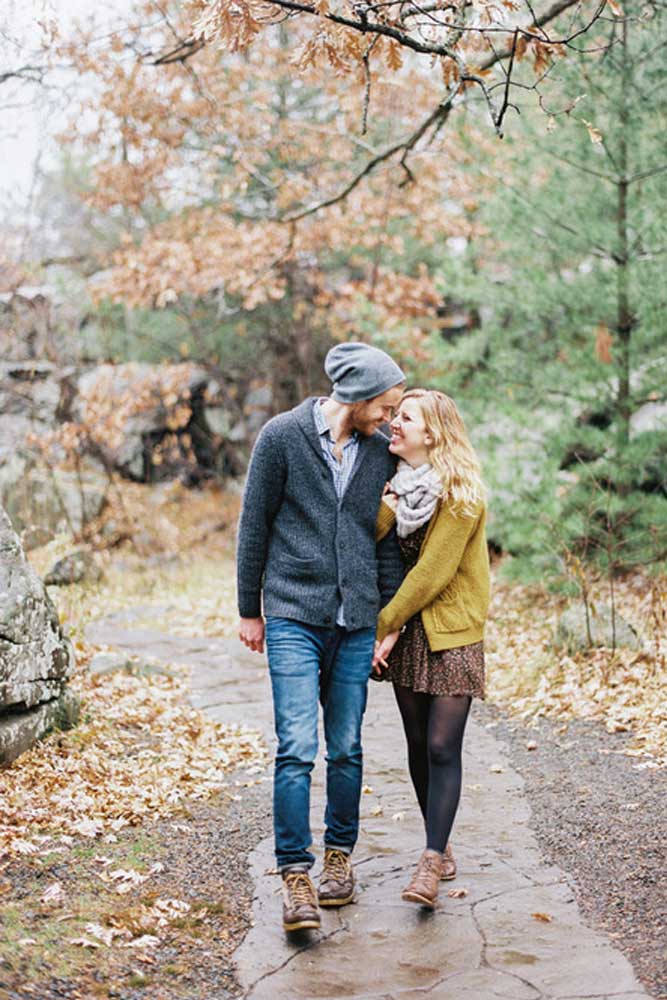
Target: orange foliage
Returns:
[[206, 160]]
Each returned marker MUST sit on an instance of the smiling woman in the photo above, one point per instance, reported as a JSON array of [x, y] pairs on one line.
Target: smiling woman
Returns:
[[430, 634]]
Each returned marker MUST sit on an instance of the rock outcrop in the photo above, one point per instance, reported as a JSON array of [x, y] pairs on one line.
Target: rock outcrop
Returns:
[[36, 659], [575, 631]]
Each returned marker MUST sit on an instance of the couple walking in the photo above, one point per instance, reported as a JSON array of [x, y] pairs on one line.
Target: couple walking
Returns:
[[359, 556]]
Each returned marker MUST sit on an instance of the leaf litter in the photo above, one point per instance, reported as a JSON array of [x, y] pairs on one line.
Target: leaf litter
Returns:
[[623, 689], [141, 751]]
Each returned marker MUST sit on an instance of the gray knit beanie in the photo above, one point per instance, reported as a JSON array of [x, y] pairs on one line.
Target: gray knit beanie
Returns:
[[360, 372]]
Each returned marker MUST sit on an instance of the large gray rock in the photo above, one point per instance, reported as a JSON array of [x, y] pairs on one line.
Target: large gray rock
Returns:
[[52, 499], [35, 657], [73, 568], [572, 631], [34, 397], [147, 401], [18, 731], [649, 417]]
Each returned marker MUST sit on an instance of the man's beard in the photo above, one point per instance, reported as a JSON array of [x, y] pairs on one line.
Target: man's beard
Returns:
[[359, 420]]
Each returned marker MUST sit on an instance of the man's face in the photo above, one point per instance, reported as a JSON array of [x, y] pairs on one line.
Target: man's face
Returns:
[[367, 416]]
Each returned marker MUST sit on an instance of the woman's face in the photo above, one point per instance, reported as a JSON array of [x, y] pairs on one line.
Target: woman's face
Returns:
[[409, 438]]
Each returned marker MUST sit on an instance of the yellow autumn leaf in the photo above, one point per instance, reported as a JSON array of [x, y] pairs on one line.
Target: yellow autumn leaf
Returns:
[[603, 342], [594, 133]]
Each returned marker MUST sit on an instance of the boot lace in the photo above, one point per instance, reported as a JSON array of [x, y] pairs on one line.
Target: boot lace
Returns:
[[336, 865], [300, 888], [430, 862]]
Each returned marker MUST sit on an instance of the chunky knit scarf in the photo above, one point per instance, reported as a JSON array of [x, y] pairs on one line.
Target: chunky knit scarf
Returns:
[[418, 491]]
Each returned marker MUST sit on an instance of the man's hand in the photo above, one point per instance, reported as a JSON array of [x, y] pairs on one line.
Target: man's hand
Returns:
[[382, 651], [251, 633]]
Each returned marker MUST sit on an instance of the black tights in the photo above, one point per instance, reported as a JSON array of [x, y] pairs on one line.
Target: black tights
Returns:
[[434, 727]]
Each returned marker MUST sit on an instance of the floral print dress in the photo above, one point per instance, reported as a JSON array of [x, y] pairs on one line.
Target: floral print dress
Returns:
[[412, 663]]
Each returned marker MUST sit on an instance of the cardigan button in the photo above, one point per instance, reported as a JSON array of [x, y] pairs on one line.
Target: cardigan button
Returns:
[[327, 620]]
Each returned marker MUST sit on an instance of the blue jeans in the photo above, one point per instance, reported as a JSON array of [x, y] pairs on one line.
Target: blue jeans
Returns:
[[310, 664]]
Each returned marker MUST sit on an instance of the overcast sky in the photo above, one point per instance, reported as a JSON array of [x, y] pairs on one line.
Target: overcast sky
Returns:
[[29, 115]]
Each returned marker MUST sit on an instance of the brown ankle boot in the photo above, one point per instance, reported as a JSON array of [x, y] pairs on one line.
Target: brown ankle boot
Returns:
[[448, 865], [300, 908], [336, 886], [423, 888]]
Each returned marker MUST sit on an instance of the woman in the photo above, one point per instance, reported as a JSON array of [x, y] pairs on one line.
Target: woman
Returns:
[[430, 634]]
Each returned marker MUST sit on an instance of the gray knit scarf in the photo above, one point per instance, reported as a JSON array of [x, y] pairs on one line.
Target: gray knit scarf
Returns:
[[418, 491]]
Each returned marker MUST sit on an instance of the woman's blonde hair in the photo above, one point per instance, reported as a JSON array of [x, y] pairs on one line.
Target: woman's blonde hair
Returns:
[[451, 453]]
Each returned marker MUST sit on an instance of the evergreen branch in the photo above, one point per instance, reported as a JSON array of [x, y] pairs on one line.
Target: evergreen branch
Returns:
[[580, 166], [651, 172]]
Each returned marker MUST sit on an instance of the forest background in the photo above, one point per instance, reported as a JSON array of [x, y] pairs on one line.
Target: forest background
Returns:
[[198, 210], [221, 191]]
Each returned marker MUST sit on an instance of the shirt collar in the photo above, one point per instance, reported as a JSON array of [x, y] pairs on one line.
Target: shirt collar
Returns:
[[321, 421]]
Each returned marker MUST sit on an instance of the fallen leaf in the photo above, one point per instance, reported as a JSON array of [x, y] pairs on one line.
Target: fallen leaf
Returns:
[[497, 769], [85, 942], [544, 917], [53, 893], [145, 941], [457, 893], [89, 827], [105, 934]]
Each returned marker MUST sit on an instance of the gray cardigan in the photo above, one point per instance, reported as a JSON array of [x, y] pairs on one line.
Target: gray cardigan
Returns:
[[300, 545]]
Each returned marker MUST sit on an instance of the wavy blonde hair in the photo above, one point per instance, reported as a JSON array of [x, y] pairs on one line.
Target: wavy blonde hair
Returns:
[[451, 454]]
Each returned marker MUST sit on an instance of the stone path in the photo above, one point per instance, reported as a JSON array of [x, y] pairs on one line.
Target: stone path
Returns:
[[488, 945]]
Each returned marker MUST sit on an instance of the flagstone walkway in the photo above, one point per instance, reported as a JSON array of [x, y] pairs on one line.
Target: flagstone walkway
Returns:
[[516, 934]]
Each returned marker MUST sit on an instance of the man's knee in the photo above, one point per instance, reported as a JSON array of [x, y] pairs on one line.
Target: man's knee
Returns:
[[297, 748], [341, 750]]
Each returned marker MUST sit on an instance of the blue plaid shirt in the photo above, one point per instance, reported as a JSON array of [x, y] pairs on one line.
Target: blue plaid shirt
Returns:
[[340, 471]]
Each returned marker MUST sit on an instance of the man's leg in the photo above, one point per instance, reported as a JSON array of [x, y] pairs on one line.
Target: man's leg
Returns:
[[347, 666], [294, 651]]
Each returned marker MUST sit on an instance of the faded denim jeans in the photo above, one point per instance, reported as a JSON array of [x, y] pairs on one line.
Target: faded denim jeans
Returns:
[[310, 664]]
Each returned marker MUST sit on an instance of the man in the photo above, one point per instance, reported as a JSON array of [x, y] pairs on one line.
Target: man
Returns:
[[306, 547]]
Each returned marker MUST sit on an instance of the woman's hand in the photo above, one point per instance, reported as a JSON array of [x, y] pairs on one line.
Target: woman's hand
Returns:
[[382, 651], [389, 498]]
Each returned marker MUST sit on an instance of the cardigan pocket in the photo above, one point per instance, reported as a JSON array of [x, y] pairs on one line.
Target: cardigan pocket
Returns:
[[449, 611], [296, 568]]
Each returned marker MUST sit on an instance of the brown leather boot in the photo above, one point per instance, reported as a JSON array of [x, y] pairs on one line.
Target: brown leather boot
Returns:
[[336, 886], [300, 910], [423, 888], [448, 865]]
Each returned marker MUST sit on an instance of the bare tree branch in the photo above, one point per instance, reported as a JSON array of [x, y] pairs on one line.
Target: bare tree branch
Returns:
[[29, 74], [436, 118], [441, 113]]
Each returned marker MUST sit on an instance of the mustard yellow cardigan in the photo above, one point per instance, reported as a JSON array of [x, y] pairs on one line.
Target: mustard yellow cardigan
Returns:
[[449, 584]]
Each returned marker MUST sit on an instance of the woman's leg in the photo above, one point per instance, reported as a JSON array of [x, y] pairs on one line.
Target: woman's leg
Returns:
[[447, 718], [414, 709]]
